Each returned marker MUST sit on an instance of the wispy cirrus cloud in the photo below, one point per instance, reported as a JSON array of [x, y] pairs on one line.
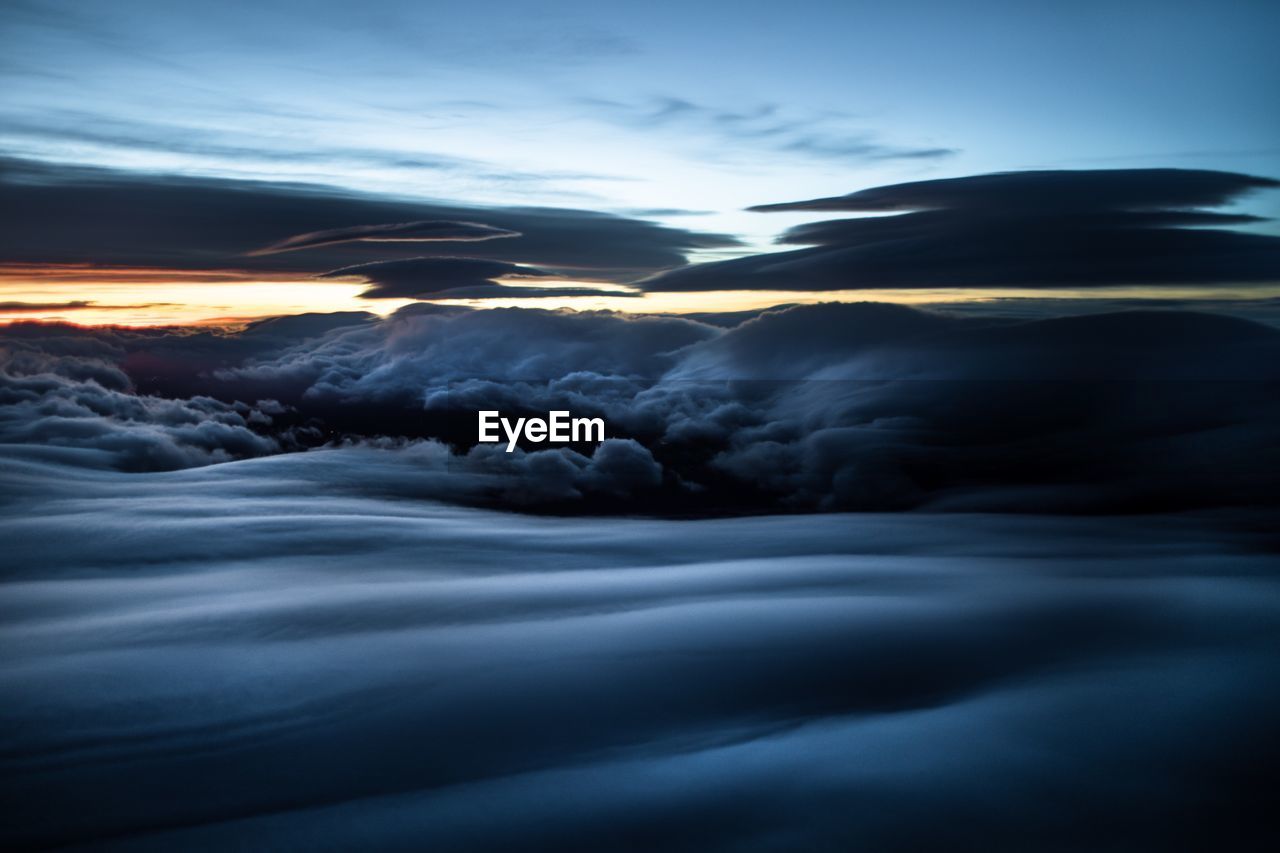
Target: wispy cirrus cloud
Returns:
[[84, 136], [771, 127]]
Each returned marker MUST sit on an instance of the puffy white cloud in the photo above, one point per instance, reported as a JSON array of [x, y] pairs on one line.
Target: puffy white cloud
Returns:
[[84, 402]]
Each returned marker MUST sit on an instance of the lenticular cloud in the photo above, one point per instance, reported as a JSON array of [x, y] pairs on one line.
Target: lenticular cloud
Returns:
[[1086, 228], [422, 231]]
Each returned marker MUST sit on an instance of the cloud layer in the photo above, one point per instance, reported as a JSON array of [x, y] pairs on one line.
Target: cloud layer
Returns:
[[835, 406], [454, 278], [262, 655], [426, 231], [1016, 229], [59, 214], [1061, 229]]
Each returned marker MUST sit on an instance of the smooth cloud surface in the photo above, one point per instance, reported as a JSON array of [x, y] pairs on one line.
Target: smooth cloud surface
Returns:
[[262, 655]]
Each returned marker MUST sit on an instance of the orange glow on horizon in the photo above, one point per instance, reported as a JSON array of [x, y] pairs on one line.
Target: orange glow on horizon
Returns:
[[118, 296]]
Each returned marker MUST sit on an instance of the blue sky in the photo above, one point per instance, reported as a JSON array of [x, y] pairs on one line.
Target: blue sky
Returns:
[[674, 115], [659, 107]]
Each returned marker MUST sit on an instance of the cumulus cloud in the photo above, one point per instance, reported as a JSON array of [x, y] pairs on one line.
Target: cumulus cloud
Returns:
[[1016, 229], [134, 398], [85, 403], [835, 406], [425, 231], [416, 353]]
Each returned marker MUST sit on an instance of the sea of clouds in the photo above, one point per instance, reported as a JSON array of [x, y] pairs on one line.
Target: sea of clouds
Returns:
[[264, 655], [823, 407], [261, 590]]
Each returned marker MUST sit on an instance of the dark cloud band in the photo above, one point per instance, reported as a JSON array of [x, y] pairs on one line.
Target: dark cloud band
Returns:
[[1017, 229], [60, 214], [456, 278]]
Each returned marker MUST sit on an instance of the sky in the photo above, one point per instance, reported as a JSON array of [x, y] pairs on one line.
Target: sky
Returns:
[[937, 500], [678, 114]]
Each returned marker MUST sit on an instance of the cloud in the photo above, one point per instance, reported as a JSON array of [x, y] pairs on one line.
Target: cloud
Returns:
[[502, 291], [71, 305], [397, 672], [134, 398], [20, 307], [85, 403], [862, 148], [1263, 309], [418, 352], [426, 231], [413, 277], [1083, 191], [54, 133], [1016, 229], [829, 407], [825, 134], [667, 677], [454, 278], [59, 214]]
